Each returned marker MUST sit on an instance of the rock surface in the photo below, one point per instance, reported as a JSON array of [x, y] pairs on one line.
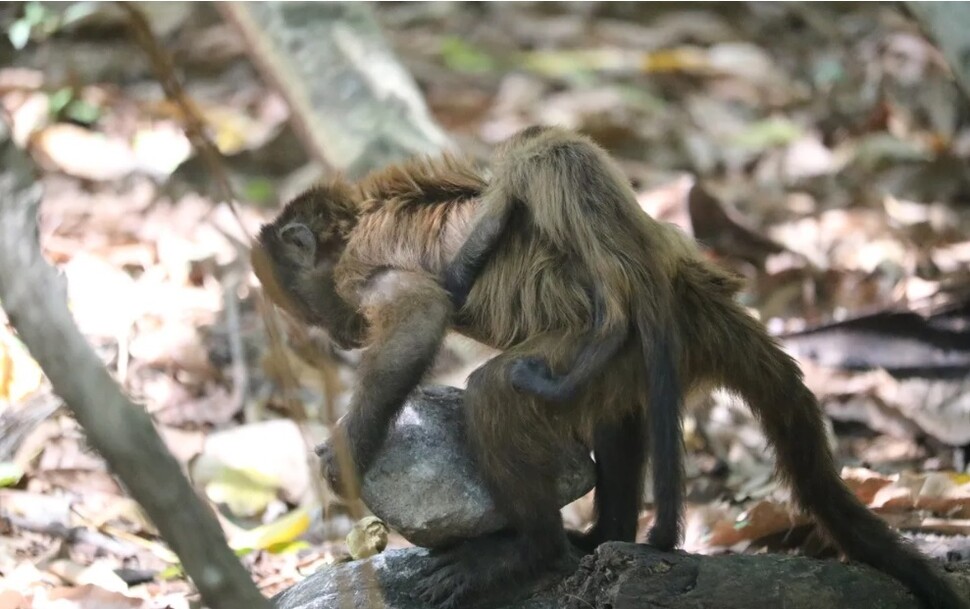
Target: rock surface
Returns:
[[386, 580], [424, 483], [623, 576]]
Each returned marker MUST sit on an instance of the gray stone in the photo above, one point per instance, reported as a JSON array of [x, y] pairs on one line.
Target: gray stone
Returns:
[[387, 581], [424, 483]]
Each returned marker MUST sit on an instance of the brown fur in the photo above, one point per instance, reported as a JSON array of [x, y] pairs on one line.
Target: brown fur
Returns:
[[556, 219]]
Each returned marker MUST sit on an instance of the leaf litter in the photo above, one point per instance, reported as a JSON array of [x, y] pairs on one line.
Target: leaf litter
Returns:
[[825, 165]]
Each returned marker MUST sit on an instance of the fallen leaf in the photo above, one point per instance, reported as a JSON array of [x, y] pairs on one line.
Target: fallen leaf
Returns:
[[723, 230], [282, 463], [11, 599], [20, 375], [10, 473], [280, 532], [90, 597], [762, 519], [246, 492], [84, 153], [865, 483], [943, 493], [89, 279], [41, 509], [100, 575]]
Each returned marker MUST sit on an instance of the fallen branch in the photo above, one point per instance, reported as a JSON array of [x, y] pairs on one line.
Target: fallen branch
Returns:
[[352, 103], [35, 299]]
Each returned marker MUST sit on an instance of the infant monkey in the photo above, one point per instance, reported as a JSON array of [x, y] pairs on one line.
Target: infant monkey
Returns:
[[605, 319]]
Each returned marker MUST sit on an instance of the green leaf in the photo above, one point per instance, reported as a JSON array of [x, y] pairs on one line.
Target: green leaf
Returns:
[[59, 100], [34, 13], [171, 572], [463, 57], [259, 190], [78, 11], [246, 492], [83, 112], [279, 533], [19, 33], [767, 134], [10, 473]]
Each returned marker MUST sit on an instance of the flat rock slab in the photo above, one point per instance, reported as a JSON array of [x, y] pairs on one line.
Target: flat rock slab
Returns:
[[425, 485], [386, 581], [627, 576], [624, 576]]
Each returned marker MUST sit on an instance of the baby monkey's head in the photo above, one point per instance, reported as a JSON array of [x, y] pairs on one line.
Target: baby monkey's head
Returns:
[[296, 254]]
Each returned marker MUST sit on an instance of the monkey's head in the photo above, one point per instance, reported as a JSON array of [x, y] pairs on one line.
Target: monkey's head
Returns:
[[296, 254]]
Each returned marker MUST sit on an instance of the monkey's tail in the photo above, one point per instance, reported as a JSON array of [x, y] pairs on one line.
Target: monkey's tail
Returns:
[[662, 353], [749, 362]]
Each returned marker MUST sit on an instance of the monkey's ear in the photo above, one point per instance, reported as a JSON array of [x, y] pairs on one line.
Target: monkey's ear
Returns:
[[301, 242]]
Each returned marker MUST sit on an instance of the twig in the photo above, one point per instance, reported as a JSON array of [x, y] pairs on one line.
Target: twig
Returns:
[[74, 535], [237, 355], [194, 127], [17, 423], [192, 120]]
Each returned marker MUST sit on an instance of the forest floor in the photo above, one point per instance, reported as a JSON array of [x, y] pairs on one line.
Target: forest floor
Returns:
[[830, 143]]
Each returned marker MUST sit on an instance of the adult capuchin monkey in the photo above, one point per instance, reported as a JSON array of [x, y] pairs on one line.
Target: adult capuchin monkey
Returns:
[[604, 316]]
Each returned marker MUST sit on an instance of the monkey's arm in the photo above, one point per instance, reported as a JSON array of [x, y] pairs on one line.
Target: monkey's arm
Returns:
[[408, 314], [495, 209]]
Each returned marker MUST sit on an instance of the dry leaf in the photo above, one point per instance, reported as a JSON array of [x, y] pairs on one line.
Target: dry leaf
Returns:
[[83, 153], [762, 519], [20, 375], [282, 531], [89, 597]]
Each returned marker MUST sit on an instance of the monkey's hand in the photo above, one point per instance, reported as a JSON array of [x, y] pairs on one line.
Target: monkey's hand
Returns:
[[531, 374], [338, 465]]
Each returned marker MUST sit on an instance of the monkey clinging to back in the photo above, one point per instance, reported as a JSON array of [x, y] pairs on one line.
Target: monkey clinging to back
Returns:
[[605, 317]]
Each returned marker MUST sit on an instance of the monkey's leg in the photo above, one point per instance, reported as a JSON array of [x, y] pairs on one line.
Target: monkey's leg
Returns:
[[516, 441], [620, 449], [622, 446]]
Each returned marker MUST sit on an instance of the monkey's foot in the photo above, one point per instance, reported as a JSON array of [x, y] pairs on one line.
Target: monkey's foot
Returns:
[[531, 374], [664, 539], [455, 576], [585, 542]]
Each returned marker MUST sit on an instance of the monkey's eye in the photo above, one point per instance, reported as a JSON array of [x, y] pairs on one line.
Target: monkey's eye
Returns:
[[299, 238]]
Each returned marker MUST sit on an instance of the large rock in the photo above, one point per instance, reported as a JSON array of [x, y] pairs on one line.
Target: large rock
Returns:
[[425, 485], [622, 576]]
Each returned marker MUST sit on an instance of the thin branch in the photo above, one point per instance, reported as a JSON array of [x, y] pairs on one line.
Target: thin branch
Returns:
[[35, 299], [192, 120]]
